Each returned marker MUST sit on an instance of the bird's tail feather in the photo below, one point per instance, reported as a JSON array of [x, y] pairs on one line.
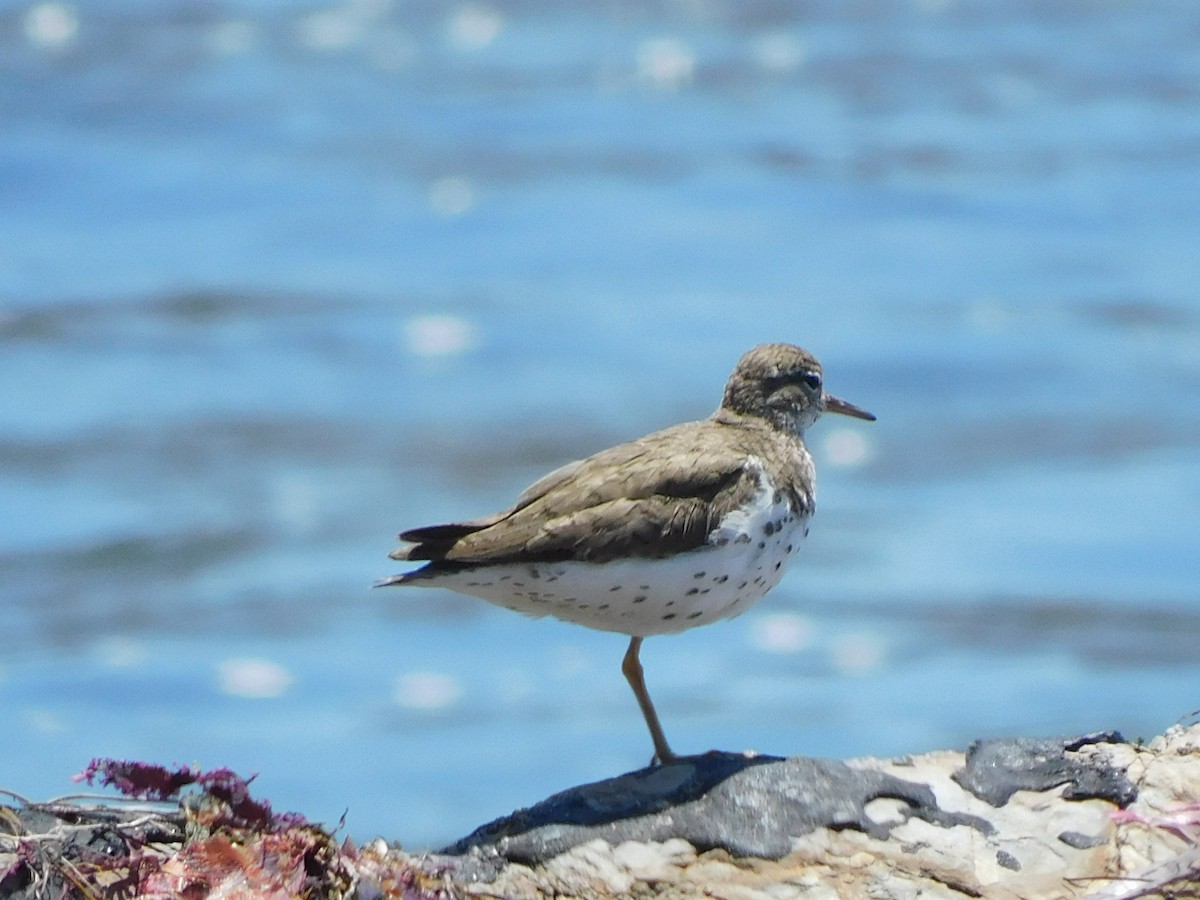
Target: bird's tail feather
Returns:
[[391, 579]]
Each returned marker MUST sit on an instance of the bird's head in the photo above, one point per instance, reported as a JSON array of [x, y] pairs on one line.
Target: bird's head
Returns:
[[783, 384]]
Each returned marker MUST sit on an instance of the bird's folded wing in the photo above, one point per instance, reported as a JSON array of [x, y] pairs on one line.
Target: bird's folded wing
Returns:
[[630, 500]]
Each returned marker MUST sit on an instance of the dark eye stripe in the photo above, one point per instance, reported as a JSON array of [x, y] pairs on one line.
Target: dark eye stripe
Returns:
[[811, 380]]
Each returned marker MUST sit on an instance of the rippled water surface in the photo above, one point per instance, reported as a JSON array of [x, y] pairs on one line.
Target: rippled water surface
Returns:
[[279, 280]]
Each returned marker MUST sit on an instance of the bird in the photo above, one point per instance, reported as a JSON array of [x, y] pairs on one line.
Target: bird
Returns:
[[680, 528]]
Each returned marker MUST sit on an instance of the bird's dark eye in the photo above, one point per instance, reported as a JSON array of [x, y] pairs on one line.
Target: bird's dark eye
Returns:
[[812, 380]]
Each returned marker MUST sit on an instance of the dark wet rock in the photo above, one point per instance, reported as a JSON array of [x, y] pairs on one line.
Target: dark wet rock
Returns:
[[748, 806], [1081, 841], [995, 770], [1006, 859]]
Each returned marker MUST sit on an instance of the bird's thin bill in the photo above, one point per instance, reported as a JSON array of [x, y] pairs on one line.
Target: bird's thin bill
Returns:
[[838, 405]]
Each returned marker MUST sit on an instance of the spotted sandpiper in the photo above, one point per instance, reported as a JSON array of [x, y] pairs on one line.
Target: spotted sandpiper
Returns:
[[673, 530]]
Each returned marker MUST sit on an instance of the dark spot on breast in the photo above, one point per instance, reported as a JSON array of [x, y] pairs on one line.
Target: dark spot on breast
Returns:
[[644, 587], [742, 585], [505, 577], [585, 606], [721, 542], [640, 598], [670, 603], [777, 565], [518, 584], [615, 587], [535, 574], [668, 617], [769, 529], [762, 545], [693, 591], [699, 574], [602, 606], [569, 599], [721, 579], [790, 548], [695, 615], [742, 539]]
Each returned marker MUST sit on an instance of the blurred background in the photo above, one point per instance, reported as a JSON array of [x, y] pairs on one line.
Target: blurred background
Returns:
[[280, 279]]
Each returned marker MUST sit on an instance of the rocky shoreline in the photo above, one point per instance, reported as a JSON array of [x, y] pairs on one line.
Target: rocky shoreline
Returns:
[[1093, 816]]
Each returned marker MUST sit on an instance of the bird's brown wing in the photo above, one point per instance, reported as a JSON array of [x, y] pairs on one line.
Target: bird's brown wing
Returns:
[[661, 494]]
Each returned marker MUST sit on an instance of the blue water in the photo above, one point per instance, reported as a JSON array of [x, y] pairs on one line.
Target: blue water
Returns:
[[277, 281]]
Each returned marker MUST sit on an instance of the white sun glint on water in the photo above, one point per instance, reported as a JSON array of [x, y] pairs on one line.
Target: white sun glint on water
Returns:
[[119, 652], [330, 30], [846, 447], [427, 690], [342, 26], [52, 26], [44, 721], [782, 632], [253, 678], [451, 196], [666, 63], [474, 26], [232, 37], [437, 335], [857, 654], [779, 53]]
